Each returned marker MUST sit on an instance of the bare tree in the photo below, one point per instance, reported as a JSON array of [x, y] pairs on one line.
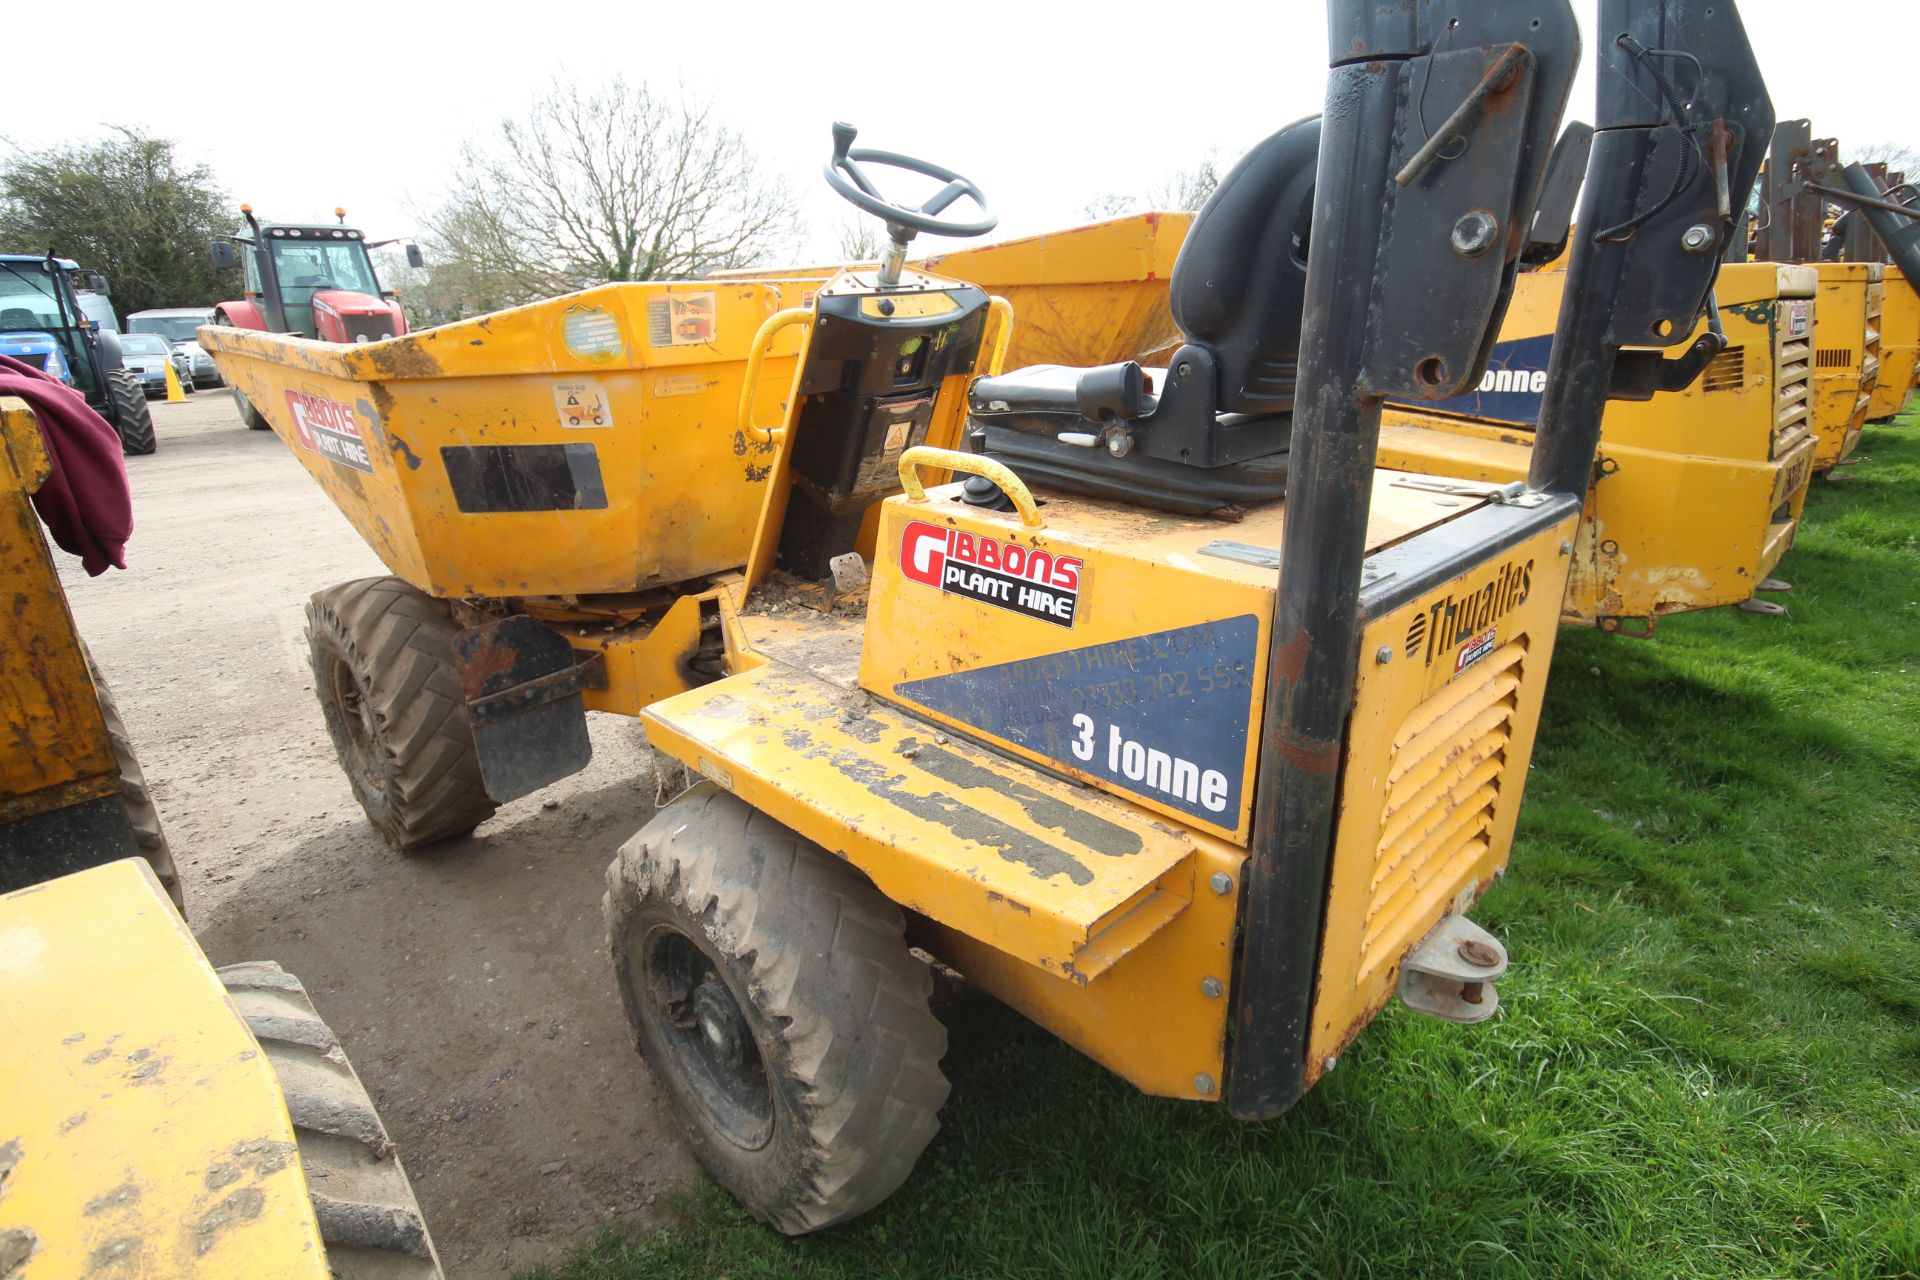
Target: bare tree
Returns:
[[1111, 205], [859, 238], [1180, 189], [1897, 156], [608, 183], [1188, 188]]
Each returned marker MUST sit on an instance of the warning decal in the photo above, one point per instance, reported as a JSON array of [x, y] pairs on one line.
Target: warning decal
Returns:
[[1008, 575], [1162, 716], [582, 404], [681, 319], [592, 334], [328, 428]]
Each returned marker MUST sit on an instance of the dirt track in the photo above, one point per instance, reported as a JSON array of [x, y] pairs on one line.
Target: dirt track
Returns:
[[469, 983]]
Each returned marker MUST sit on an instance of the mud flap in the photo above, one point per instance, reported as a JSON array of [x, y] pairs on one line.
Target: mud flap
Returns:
[[522, 682]]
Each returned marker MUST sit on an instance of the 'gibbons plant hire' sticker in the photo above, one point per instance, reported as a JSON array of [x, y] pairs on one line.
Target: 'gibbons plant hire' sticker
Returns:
[[328, 428], [1007, 575]]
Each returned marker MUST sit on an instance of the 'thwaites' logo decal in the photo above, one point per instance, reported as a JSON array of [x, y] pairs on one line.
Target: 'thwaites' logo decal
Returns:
[[1464, 625], [1008, 575]]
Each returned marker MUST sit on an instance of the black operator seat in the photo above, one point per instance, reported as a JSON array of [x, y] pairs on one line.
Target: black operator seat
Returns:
[[1212, 429]]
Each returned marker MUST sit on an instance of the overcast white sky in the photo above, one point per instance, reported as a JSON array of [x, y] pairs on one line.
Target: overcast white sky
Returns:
[[1045, 103]]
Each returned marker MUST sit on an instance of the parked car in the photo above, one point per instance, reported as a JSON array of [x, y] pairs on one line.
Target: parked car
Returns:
[[180, 325], [148, 355], [40, 350]]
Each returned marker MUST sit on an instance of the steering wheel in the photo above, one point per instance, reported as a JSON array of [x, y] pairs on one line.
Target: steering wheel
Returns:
[[845, 176]]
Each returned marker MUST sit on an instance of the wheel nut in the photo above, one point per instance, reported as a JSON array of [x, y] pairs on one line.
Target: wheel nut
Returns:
[[1474, 234], [1220, 882], [1211, 988], [1203, 1083]]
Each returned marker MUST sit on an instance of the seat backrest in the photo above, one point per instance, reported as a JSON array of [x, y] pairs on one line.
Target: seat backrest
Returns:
[[1239, 284]]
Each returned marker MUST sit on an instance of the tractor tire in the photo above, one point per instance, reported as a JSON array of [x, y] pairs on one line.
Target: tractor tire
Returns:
[[255, 420], [127, 400], [369, 1219], [769, 987], [148, 836], [383, 671], [141, 815]]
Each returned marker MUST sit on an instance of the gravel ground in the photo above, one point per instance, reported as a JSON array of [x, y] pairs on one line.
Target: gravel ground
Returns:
[[470, 982]]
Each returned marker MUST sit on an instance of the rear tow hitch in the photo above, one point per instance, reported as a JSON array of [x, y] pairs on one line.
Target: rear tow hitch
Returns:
[[1450, 973]]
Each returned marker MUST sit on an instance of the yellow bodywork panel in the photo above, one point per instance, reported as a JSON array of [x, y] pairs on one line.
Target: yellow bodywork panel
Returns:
[[1899, 346], [143, 1132], [57, 753], [1437, 759], [1700, 490], [1846, 355], [582, 445]]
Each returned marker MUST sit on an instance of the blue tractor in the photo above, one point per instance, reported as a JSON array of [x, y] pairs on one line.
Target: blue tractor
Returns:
[[42, 324]]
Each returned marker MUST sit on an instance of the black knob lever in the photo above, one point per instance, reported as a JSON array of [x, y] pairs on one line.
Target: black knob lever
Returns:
[[843, 135]]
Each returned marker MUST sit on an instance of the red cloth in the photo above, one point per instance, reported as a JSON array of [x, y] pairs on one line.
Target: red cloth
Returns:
[[86, 502]]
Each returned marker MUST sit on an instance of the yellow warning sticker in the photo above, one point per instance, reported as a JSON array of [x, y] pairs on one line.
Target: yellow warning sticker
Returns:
[[681, 320], [582, 403]]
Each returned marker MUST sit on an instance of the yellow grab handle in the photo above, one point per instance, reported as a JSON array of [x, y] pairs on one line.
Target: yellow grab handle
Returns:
[[971, 464], [757, 356], [1002, 310]]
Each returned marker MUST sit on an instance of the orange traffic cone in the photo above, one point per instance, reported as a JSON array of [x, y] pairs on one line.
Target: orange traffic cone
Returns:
[[174, 393]]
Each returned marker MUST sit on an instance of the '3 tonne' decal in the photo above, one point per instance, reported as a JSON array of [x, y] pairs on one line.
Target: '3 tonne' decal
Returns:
[[1163, 716]]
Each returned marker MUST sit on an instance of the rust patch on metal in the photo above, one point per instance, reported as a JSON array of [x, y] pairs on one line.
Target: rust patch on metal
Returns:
[[404, 358], [488, 658], [1290, 659], [1309, 755]]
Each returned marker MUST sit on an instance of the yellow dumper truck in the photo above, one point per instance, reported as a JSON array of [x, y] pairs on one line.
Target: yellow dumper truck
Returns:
[[1161, 712]]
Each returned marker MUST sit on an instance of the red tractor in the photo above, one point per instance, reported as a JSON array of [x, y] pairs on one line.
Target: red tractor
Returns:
[[317, 282]]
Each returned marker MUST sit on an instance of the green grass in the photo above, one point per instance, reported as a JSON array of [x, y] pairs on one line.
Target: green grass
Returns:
[[1707, 1063]]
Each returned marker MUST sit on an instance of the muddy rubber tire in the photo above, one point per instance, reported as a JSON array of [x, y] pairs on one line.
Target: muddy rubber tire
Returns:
[[383, 670], [132, 417], [141, 815], [255, 420], [769, 987], [361, 1194]]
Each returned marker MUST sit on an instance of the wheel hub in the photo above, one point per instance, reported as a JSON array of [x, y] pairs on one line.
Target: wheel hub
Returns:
[[703, 1035], [720, 1022]]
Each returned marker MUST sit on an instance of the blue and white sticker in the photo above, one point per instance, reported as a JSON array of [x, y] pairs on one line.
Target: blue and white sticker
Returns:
[[1510, 390], [1162, 716]]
